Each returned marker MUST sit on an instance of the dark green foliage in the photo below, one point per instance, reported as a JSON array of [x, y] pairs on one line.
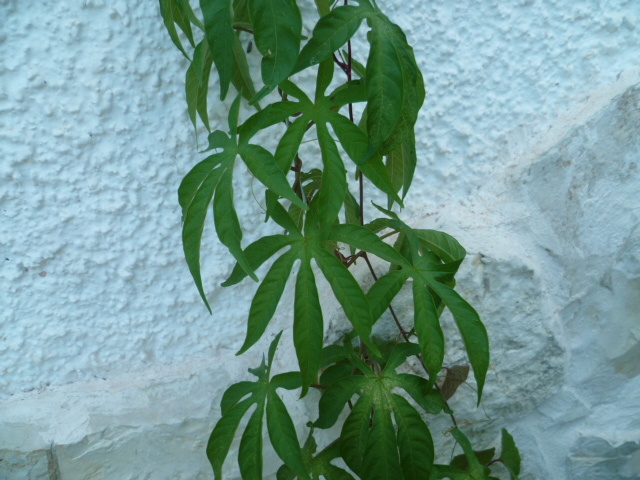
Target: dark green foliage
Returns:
[[383, 411]]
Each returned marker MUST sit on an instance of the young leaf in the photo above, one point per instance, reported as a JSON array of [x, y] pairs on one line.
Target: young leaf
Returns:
[[236, 402], [217, 21], [277, 28], [456, 376]]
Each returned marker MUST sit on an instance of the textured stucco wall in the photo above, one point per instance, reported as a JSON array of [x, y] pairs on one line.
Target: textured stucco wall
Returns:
[[528, 150]]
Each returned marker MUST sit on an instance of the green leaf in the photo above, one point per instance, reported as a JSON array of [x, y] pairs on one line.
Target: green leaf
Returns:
[[401, 164], [355, 143], [256, 254], [384, 291], [354, 91], [418, 388], [448, 472], [226, 221], [263, 166], [351, 212], [290, 144], [197, 84], [385, 85], [223, 434], [476, 469], [334, 399], [277, 28], [442, 244], [240, 73], [234, 113], [510, 455], [287, 380], [219, 32], [474, 334], [270, 115], [308, 329], [399, 355], [414, 440], [195, 194], [364, 239], [381, 454], [395, 87], [266, 299], [334, 180], [234, 394], [355, 431], [283, 434], [427, 325], [186, 9], [325, 75], [461, 462], [348, 292], [250, 452], [330, 33], [168, 13]]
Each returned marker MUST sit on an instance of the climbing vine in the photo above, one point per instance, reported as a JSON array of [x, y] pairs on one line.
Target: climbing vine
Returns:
[[383, 412]]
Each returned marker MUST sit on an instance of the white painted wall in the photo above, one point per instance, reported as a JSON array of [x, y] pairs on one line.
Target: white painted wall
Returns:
[[528, 147]]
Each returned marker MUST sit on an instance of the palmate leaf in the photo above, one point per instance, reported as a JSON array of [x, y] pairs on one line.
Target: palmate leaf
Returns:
[[353, 140], [308, 328], [235, 404], [212, 179], [432, 263], [277, 27], [381, 422]]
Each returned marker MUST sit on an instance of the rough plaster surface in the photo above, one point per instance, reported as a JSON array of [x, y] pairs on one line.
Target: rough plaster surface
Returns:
[[528, 142]]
